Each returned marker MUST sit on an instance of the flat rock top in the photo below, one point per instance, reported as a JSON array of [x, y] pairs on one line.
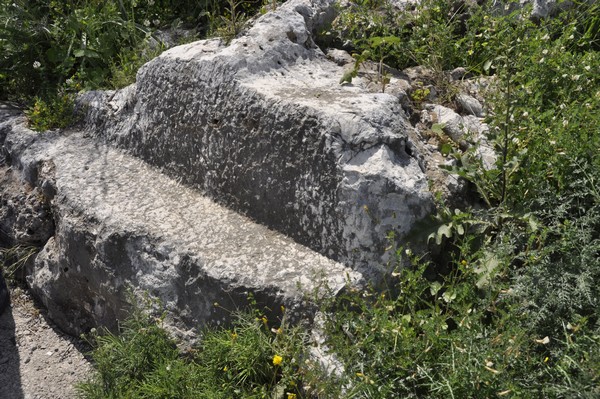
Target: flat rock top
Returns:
[[124, 194]]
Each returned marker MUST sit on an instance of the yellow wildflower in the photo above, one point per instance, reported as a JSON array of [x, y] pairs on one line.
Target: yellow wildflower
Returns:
[[277, 360], [291, 396]]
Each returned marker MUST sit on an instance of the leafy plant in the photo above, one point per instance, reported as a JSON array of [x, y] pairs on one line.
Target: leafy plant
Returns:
[[55, 112], [252, 358]]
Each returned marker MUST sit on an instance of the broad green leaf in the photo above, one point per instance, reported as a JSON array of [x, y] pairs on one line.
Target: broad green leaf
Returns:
[[434, 288], [449, 296], [446, 149], [443, 230], [486, 270], [438, 128], [487, 65]]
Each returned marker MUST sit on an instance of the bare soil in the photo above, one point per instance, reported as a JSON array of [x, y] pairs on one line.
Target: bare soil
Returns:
[[37, 361]]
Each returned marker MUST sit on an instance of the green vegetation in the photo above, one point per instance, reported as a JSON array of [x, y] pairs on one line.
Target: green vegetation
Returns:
[[250, 359], [13, 261], [50, 49], [506, 302]]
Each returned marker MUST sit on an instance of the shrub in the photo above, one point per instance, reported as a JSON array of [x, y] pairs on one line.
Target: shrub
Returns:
[[249, 359], [54, 112]]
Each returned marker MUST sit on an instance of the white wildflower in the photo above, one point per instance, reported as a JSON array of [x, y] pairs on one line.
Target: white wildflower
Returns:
[[565, 123], [545, 51], [575, 77], [587, 68], [36, 65]]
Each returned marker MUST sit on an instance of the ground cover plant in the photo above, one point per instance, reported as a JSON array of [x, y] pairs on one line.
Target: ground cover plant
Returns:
[[50, 50], [506, 302], [253, 358]]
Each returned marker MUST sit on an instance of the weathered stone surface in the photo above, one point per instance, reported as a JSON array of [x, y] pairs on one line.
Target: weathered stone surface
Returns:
[[469, 105], [25, 218], [263, 126], [120, 225], [453, 124]]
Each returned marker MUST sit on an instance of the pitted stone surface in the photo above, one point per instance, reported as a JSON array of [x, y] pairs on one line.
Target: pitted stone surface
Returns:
[[263, 127], [121, 224]]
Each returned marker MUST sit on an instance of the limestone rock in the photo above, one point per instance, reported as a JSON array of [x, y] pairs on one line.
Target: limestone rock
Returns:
[[25, 216], [263, 127], [453, 123], [458, 74], [340, 57], [469, 105], [121, 225]]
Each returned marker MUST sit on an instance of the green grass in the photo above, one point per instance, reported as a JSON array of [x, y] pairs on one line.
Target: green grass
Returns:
[[252, 358], [51, 50]]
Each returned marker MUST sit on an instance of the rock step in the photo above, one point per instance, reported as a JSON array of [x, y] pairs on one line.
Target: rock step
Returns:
[[262, 126], [121, 224]]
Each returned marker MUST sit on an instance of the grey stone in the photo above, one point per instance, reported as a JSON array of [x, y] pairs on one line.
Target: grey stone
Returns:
[[458, 73], [340, 57], [25, 215], [260, 126], [121, 225], [453, 123], [263, 127], [469, 105]]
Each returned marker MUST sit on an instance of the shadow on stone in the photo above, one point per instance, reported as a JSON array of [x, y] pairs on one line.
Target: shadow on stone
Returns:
[[10, 377]]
